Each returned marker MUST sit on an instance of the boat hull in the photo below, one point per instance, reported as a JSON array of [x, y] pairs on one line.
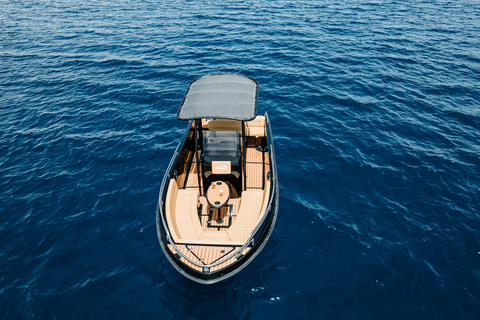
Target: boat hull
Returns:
[[256, 242]]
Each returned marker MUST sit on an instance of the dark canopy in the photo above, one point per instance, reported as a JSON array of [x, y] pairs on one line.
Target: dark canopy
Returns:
[[224, 96]]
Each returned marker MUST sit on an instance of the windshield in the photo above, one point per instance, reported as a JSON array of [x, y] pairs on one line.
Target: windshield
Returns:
[[221, 143]]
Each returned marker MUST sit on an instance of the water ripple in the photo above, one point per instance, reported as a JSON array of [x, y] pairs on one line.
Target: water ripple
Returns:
[[375, 113]]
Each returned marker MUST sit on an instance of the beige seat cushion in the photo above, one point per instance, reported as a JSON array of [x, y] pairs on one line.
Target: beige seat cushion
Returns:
[[224, 125], [256, 127], [221, 167], [253, 128]]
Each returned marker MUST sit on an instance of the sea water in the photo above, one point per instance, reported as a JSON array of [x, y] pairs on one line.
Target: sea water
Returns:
[[375, 114]]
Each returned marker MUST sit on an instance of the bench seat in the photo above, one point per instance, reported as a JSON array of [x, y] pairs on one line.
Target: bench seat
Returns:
[[253, 128]]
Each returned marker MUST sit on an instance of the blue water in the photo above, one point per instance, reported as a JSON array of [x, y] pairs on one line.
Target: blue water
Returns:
[[375, 112]]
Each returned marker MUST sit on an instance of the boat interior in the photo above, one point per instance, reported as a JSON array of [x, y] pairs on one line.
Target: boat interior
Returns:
[[217, 151]]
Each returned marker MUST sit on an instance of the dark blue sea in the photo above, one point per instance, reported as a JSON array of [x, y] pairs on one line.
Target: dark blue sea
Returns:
[[375, 110]]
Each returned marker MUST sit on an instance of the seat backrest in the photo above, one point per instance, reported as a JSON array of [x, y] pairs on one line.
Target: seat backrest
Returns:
[[221, 167], [225, 125], [256, 127], [253, 128]]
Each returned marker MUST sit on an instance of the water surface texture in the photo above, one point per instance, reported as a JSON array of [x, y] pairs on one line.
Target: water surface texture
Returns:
[[375, 112]]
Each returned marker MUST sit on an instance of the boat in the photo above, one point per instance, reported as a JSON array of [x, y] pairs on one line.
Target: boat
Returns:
[[218, 200]]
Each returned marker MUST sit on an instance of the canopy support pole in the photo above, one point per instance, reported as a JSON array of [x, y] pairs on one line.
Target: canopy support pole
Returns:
[[198, 123], [244, 139]]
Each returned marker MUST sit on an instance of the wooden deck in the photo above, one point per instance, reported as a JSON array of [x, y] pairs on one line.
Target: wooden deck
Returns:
[[257, 168], [206, 255]]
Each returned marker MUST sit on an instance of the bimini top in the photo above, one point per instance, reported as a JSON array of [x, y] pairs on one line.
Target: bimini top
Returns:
[[224, 96]]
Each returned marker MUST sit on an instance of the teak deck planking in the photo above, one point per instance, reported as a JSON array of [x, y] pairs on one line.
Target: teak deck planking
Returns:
[[256, 165]]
